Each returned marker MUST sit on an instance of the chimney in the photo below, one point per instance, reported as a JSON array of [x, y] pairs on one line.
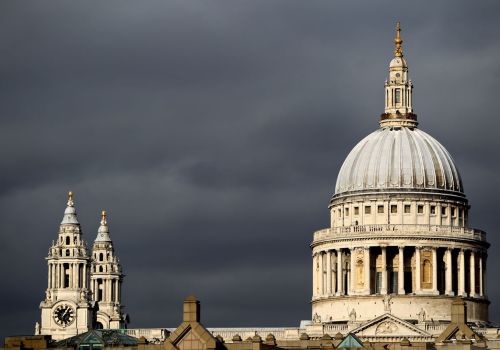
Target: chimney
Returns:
[[191, 309]]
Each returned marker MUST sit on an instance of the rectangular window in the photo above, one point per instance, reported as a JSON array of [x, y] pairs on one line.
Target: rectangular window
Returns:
[[346, 211], [398, 95], [420, 209], [433, 209], [443, 211], [368, 209], [453, 212], [340, 213], [394, 209], [380, 209], [356, 210], [407, 209]]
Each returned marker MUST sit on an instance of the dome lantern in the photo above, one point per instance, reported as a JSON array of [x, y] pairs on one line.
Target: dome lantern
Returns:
[[398, 91]]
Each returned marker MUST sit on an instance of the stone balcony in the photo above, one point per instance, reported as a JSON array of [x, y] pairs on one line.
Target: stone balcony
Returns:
[[396, 231]]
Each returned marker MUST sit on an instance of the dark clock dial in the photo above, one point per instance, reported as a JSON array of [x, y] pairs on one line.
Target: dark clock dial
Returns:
[[64, 315]]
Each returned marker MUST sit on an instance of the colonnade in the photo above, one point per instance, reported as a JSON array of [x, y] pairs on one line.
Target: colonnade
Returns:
[[420, 270], [75, 273], [111, 289]]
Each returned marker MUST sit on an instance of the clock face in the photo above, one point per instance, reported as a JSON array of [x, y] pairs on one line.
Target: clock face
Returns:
[[64, 315]]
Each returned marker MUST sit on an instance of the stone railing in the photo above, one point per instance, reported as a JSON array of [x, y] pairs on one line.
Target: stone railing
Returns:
[[364, 231], [154, 335], [228, 333], [333, 329]]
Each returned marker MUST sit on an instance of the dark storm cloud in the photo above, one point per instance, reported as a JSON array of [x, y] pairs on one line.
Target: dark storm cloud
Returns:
[[213, 133]]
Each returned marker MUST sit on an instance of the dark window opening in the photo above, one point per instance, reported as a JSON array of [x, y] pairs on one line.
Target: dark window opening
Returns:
[[394, 209]]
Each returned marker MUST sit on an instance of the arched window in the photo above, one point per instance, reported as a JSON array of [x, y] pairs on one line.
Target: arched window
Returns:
[[100, 269], [67, 252], [68, 240], [427, 271], [101, 256]]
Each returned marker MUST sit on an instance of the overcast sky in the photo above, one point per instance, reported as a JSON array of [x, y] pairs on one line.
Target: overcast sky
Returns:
[[213, 131]]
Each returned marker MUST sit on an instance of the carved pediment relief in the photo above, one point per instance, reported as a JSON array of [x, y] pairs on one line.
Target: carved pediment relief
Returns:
[[389, 325], [386, 327]]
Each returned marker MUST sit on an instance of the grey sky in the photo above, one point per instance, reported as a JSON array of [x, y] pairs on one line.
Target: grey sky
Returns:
[[213, 131]]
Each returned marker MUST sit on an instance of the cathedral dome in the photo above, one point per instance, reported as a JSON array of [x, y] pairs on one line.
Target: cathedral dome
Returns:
[[398, 158]]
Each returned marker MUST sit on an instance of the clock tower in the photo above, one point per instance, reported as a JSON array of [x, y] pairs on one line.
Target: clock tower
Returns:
[[106, 280], [67, 309]]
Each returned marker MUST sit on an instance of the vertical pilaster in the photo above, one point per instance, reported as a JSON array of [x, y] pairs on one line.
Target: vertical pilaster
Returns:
[[449, 270], [353, 271], [328, 272], [434, 271], [383, 289], [401, 271], [366, 264], [418, 274]]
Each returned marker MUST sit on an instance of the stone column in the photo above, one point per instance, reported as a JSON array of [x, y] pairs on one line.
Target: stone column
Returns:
[[472, 261], [74, 278], [448, 279], [314, 275], [109, 290], [48, 276], [334, 273], [401, 271], [117, 290], [61, 279], [418, 275], [322, 274], [383, 289], [84, 273], [481, 291], [434, 271], [329, 273], [461, 277], [340, 289], [366, 264], [353, 271]]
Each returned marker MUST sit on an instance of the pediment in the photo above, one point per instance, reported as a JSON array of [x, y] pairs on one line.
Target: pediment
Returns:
[[388, 325]]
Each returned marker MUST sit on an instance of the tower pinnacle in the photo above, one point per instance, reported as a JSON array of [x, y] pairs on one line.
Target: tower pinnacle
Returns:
[[70, 199], [70, 211], [103, 231], [103, 218], [398, 51]]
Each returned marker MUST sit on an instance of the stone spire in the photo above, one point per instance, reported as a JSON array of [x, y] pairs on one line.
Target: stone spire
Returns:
[[70, 212], [398, 51], [398, 90], [103, 231]]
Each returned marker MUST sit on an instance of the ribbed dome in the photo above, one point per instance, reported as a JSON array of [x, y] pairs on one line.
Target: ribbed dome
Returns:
[[398, 158]]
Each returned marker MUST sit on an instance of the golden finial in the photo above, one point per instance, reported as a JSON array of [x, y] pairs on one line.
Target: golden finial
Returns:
[[103, 218], [398, 52], [70, 199]]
